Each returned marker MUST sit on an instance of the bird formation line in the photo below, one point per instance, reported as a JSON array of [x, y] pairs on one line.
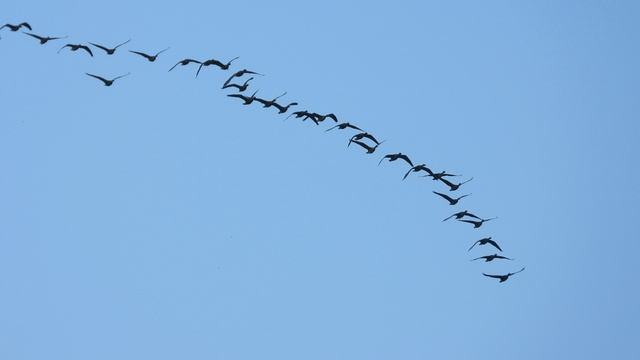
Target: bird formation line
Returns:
[[367, 141]]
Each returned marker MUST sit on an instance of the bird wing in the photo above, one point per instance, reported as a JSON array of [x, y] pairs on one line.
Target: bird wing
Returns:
[[64, 47], [408, 172], [98, 77], [470, 221], [100, 47], [495, 244], [199, 68], [141, 54], [474, 244], [121, 76], [372, 138], [263, 101], [161, 51], [501, 257], [447, 182], [174, 66], [384, 157], [34, 35], [493, 276], [519, 271], [473, 216], [117, 46], [365, 146], [443, 196], [451, 216], [333, 127], [86, 48], [478, 258], [239, 96], [334, 117], [26, 24], [405, 158], [353, 127]]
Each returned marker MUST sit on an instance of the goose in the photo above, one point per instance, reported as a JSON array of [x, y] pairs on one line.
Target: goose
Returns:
[[362, 135], [241, 73], [185, 62], [151, 58], [15, 28], [394, 157], [488, 258], [452, 186], [241, 88], [217, 63], [370, 149], [44, 39], [76, 47], [451, 200], [477, 223], [503, 278], [107, 50], [107, 82], [461, 214], [343, 126], [485, 241], [247, 99]]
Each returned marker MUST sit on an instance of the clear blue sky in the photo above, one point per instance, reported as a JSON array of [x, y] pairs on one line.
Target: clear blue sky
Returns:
[[158, 219]]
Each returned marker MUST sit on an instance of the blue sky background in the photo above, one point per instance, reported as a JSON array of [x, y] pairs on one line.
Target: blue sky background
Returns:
[[158, 219]]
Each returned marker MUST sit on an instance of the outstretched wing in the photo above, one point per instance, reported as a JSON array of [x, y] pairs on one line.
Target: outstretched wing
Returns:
[[100, 47], [470, 221], [25, 24], [443, 196], [239, 96], [146, 56], [34, 35], [365, 146], [493, 276], [86, 48], [474, 244], [117, 46], [473, 216], [264, 102], [334, 118], [121, 76], [408, 172], [405, 158], [494, 244], [99, 78]]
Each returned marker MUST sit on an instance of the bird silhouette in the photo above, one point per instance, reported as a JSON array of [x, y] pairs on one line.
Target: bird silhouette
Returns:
[[284, 109], [421, 167], [488, 258], [107, 82], [247, 99], [439, 175], [503, 278], [396, 156], [76, 47], [485, 241], [451, 200], [44, 39], [461, 214], [185, 62], [343, 126], [452, 186], [107, 50], [477, 223], [361, 136], [270, 103], [241, 88], [151, 58], [370, 149], [217, 63], [321, 118], [15, 28], [304, 114], [241, 73]]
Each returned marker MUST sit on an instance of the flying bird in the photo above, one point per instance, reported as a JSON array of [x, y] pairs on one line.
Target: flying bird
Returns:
[[461, 214], [284, 109], [304, 114], [151, 58], [217, 63], [361, 136], [107, 82], [421, 167], [503, 278], [76, 47], [451, 200], [343, 126], [15, 28], [270, 103], [394, 157], [485, 241], [247, 99], [477, 223], [321, 118], [44, 39], [370, 149], [452, 186], [241, 73], [184, 62], [439, 175], [107, 50], [488, 258], [241, 88]]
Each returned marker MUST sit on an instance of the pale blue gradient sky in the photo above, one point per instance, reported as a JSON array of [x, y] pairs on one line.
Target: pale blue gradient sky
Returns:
[[158, 219]]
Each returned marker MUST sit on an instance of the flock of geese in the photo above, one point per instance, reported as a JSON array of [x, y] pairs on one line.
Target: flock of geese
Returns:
[[361, 138]]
